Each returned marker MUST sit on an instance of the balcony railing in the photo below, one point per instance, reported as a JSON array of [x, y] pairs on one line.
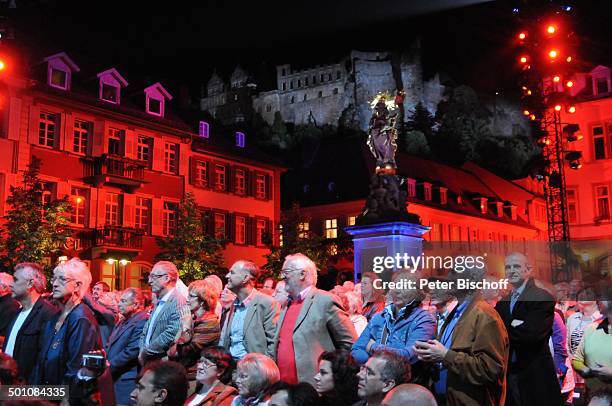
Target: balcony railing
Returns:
[[116, 236], [114, 169]]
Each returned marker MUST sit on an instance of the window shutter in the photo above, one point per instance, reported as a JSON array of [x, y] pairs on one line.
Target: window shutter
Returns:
[[129, 202], [250, 231], [230, 221], [158, 156], [34, 124], [229, 183], [67, 137], [156, 217], [98, 138], [130, 144], [192, 170], [101, 208], [268, 187], [14, 122], [252, 186]]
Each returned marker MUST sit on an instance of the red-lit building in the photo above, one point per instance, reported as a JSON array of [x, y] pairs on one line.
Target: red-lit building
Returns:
[[126, 160], [467, 203]]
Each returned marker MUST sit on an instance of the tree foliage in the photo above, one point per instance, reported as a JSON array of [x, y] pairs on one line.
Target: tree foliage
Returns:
[[195, 253], [294, 240], [32, 230]]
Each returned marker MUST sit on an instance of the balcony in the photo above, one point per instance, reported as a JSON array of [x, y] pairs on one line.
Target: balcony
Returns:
[[125, 173], [124, 238]]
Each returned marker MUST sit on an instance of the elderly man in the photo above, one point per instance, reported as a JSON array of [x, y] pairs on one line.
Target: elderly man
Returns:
[[97, 290], [123, 345], [471, 349], [23, 333], [170, 317], [384, 371], [312, 322], [399, 326], [528, 314], [373, 300], [409, 394], [250, 324], [8, 306]]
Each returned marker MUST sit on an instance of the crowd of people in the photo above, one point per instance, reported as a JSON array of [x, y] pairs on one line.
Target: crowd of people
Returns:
[[289, 343]]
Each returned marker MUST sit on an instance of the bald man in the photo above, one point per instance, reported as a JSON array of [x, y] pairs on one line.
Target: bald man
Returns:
[[409, 394]]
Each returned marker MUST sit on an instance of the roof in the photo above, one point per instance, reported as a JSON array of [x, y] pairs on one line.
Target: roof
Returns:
[[334, 171]]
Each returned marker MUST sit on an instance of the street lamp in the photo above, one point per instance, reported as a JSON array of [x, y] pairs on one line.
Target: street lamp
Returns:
[[118, 270]]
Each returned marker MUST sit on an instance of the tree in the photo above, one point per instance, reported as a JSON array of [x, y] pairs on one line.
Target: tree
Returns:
[[193, 252], [422, 120], [33, 230], [295, 239]]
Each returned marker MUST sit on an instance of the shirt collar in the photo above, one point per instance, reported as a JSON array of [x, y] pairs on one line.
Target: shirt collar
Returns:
[[166, 296], [302, 294], [246, 301], [521, 288]]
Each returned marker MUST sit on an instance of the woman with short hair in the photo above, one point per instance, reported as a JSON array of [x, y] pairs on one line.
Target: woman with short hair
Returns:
[[214, 373], [255, 374], [205, 331], [336, 382]]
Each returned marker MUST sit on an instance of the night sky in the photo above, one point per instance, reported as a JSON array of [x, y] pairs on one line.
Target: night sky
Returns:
[[177, 42]]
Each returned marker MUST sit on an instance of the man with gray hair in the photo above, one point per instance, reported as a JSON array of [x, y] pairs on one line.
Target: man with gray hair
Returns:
[[170, 317], [471, 349], [312, 322], [8, 306], [250, 323], [23, 333]]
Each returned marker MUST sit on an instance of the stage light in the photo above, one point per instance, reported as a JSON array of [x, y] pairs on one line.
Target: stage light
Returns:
[[571, 109], [568, 59], [551, 29], [553, 53], [569, 83], [528, 92], [532, 117], [558, 107], [526, 112], [79, 200], [556, 78], [2, 65], [522, 35], [523, 59]]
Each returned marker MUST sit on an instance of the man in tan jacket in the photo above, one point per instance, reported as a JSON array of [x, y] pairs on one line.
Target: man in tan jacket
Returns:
[[250, 323], [312, 321], [471, 349]]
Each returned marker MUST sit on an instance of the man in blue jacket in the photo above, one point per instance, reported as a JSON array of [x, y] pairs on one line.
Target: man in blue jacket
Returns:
[[123, 345], [398, 326]]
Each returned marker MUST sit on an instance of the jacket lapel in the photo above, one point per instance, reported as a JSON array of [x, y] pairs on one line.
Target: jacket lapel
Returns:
[[251, 310], [308, 300]]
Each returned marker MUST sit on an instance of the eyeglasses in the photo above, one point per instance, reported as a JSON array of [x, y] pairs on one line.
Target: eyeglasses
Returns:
[[156, 276], [62, 280], [286, 272], [205, 364], [193, 296]]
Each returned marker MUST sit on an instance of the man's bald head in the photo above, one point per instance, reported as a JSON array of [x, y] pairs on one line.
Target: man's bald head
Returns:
[[409, 394]]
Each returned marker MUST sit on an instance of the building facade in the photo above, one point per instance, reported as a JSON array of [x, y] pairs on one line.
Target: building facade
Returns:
[[125, 163]]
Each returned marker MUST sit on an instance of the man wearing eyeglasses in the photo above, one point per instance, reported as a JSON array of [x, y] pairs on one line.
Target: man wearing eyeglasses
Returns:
[[171, 311], [250, 324], [8, 306], [312, 322], [23, 332]]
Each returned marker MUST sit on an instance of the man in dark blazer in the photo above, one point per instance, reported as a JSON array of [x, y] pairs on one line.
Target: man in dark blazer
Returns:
[[250, 323], [23, 332], [8, 305], [528, 314], [122, 348]]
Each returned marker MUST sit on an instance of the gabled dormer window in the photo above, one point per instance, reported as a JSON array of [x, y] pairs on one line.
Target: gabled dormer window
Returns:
[[59, 70], [203, 130], [111, 83], [156, 99]]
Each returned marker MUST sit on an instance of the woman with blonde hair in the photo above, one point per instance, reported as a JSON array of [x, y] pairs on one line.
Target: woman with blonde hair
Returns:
[[255, 374]]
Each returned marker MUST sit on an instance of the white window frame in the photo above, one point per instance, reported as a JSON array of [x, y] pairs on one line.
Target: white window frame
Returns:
[[79, 209], [201, 173], [159, 113], [144, 148], [240, 181], [331, 228], [80, 139], [220, 177], [260, 229], [220, 232], [171, 158], [66, 78], [240, 230], [142, 210], [260, 186], [48, 129], [169, 218], [112, 209], [603, 197]]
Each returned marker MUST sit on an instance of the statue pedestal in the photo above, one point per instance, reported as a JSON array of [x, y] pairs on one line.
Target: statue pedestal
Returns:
[[384, 240]]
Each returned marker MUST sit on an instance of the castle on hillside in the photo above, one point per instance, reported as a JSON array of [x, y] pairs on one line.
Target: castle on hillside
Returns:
[[339, 93]]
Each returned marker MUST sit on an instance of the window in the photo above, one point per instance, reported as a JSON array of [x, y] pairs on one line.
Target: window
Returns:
[[142, 212], [110, 93], [443, 198], [268, 108], [599, 142], [284, 86], [314, 79], [201, 173], [115, 142], [154, 106], [338, 74], [292, 99], [305, 97], [329, 76], [169, 217], [203, 129], [291, 85], [78, 197], [331, 228], [322, 77], [59, 78], [170, 157], [411, 187], [602, 85], [572, 206], [283, 72], [112, 215], [351, 220], [240, 182], [80, 136], [299, 83], [240, 139], [305, 81], [260, 230], [303, 229], [240, 232], [320, 93], [219, 226], [260, 186], [144, 149], [427, 191], [47, 130], [220, 179], [335, 90], [602, 194]]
